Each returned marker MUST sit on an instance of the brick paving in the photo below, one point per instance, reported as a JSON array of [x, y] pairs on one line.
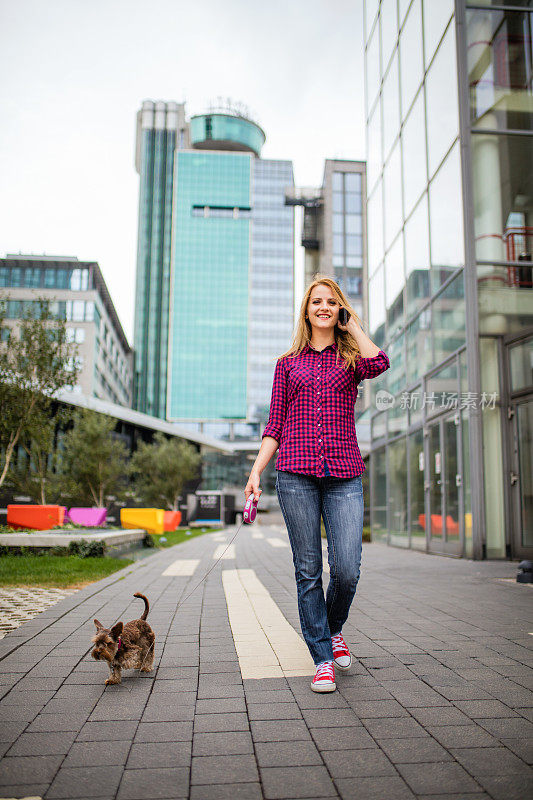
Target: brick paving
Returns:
[[19, 604], [439, 703]]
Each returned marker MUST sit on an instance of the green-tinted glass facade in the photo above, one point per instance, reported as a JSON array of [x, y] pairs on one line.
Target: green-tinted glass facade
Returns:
[[450, 231], [209, 286], [207, 128], [153, 270]]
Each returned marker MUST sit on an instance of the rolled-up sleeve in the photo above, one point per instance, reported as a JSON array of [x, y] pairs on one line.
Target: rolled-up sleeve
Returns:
[[278, 403], [372, 367]]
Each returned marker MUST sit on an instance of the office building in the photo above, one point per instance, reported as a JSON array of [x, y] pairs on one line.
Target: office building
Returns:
[[449, 112], [334, 227], [78, 294], [214, 298]]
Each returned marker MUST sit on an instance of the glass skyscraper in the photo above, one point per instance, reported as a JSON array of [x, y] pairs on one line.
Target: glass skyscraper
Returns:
[[214, 303], [449, 110]]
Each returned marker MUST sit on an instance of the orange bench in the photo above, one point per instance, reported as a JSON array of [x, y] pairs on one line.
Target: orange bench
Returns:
[[172, 520], [38, 518], [452, 527]]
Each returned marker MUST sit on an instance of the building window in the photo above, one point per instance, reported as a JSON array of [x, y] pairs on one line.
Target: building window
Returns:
[[13, 309], [354, 224], [442, 102], [338, 244], [354, 245], [338, 205], [353, 182], [49, 278], [75, 280], [446, 216], [76, 335], [414, 154], [32, 278], [338, 226], [503, 201], [78, 310], [500, 68], [337, 182], [62, 278], [353, 204], [411, 66]]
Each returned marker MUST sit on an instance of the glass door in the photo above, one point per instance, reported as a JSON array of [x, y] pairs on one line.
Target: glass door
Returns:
[[521, 478], [451, 481], [444, 479], [434, 487]]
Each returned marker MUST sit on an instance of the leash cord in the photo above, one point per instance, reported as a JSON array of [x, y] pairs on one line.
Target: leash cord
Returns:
[[221, 556], [181, 602]]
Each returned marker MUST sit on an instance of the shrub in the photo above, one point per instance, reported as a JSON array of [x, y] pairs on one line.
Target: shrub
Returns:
[[85, 549]]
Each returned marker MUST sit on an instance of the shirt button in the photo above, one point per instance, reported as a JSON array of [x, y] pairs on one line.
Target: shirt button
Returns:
[[320, 440]]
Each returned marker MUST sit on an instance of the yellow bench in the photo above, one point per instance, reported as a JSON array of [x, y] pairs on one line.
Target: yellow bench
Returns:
[[151, 520]]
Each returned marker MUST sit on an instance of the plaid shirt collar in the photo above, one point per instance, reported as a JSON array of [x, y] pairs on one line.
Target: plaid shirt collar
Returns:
[[309, 349]]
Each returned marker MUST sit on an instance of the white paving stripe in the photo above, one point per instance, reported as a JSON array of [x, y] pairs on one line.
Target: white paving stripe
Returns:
[[267, 645], [219, 552], [275, 542], [257, 535], [183, 567]]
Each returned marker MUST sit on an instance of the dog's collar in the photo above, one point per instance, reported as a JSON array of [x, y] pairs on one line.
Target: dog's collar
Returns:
[[119, 642]]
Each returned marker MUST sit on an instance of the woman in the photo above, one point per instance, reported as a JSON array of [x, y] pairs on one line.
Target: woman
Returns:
[[319, 465]]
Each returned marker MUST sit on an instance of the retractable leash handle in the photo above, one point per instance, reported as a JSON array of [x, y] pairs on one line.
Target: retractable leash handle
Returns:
[[250, 510]]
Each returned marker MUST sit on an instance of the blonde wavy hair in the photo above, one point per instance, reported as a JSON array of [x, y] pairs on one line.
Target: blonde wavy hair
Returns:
[[347, 347]]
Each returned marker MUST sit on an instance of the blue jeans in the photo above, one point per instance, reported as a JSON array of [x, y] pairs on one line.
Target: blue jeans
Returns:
[[303, 500]]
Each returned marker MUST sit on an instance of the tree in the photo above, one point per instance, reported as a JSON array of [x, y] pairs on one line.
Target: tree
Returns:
[[94, 461], [163, 468], [36, 362], [38, 475]]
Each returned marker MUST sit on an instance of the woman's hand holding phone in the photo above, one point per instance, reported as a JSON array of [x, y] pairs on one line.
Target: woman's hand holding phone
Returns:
[[344, 316]]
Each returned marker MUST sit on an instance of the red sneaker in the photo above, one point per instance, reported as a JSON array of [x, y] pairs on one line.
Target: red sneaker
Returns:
[[341, 655], [324, 680]]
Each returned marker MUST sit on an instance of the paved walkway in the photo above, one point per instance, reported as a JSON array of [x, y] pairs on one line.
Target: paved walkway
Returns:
[[438, 705]]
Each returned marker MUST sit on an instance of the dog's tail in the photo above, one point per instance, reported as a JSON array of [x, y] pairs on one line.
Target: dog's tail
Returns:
[[146, 604]]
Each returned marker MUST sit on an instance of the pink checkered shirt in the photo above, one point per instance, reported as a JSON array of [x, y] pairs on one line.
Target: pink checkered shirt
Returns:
[[312, 412]]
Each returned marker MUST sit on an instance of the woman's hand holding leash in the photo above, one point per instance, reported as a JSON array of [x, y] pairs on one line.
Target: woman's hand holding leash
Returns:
[[253, 486]]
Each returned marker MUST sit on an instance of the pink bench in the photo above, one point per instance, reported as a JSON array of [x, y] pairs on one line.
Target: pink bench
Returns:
[[87, 516]]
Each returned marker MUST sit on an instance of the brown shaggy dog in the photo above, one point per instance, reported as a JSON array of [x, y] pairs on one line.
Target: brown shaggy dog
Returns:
[[129, 646]]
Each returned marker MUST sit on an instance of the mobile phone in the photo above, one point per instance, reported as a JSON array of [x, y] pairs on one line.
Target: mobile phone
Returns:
[[344, 316]]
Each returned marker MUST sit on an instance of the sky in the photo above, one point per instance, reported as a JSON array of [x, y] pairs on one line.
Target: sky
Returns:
[[74, 74]]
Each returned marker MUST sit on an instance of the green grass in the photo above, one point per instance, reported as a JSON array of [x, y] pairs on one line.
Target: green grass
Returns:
[[179, 536], [68, 527], [58, 571]]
